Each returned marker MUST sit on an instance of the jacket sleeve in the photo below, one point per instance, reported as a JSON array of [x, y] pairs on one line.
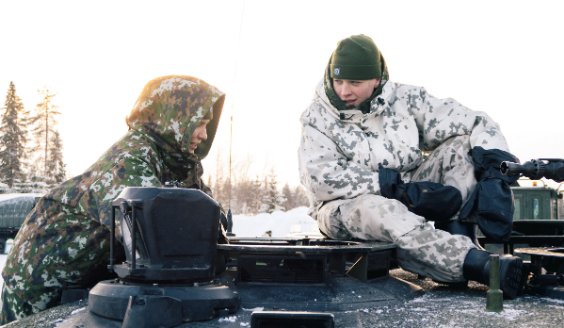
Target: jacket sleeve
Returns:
[[327, 173], [440, 119]]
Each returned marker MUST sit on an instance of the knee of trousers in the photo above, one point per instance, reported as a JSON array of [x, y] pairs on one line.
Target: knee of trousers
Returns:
[[449, 164], [370, 217]]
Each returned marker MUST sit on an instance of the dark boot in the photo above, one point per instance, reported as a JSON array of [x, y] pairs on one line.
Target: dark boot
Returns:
[[512, 278]]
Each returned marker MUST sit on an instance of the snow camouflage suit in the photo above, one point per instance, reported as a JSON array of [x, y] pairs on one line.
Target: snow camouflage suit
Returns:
[[404, 128], [64, 241]]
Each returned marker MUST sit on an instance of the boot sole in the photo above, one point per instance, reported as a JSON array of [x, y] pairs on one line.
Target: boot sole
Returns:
[[511, 276]]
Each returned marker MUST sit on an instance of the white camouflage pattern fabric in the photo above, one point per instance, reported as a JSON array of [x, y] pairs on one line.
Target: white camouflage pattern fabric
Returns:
[[425, 138]]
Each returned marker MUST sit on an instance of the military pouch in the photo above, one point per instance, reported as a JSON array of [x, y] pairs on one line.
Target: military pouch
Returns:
[[490, 205], [495, 209]]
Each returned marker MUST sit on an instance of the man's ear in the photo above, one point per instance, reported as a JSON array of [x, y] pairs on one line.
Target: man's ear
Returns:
[[378, 81]]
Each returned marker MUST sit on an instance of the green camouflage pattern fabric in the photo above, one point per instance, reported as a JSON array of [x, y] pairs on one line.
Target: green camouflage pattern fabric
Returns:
[[64, 241], [406, 128]]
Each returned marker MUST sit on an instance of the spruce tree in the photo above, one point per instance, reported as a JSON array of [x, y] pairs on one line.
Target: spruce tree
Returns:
[[272, 198], [12, 139]]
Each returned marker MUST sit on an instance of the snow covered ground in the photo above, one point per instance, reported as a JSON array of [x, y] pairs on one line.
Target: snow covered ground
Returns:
[[279, 224]]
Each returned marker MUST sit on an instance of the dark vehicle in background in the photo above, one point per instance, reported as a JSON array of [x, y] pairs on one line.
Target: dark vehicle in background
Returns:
[[538, 211], [13, 210]]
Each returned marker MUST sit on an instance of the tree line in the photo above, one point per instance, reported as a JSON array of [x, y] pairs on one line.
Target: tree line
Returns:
[[31, 149], [242, 194]]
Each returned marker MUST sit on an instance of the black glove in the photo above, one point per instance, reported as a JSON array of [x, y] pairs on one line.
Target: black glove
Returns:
[[491, 203], [433, 201]]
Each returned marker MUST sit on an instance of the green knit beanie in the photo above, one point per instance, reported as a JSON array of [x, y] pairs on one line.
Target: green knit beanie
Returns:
[[356, 58]]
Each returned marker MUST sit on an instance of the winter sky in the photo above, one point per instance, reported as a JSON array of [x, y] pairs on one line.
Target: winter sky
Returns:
[[503, 57]]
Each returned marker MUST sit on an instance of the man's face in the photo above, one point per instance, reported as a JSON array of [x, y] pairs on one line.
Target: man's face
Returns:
[[352, 92], [200, 134]]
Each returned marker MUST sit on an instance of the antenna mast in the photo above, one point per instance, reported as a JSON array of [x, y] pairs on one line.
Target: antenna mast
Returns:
[[230, 158]]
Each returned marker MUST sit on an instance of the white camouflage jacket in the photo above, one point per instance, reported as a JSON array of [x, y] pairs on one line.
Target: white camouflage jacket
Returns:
[[340, 150]]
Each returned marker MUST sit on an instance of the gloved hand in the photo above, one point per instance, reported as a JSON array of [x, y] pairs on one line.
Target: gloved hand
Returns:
[[433, 201], [491, 203]]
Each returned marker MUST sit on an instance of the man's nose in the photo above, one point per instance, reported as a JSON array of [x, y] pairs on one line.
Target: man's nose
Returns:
[[346, 89], [203, 134]]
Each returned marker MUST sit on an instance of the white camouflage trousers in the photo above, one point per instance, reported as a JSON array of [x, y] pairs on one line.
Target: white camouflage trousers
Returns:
[[422, 249]]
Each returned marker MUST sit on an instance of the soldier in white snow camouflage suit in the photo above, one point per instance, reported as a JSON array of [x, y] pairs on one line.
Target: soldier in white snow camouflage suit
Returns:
[[64, 241], [381, 160]]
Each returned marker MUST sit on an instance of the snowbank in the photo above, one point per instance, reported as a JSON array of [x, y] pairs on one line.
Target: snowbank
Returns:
[[278, 224]]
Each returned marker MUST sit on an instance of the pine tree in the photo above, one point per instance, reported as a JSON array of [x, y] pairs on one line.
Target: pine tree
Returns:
[[44, 129], [13, 139]]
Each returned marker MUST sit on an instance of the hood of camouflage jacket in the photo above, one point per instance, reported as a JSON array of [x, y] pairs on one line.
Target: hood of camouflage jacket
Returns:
[[171, 107]]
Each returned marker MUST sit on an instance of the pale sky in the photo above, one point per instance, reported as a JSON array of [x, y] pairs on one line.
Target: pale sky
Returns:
[[502, 57]]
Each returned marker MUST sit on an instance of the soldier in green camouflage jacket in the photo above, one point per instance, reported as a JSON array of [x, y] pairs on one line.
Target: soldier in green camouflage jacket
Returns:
[[64, 241], [387, 161]]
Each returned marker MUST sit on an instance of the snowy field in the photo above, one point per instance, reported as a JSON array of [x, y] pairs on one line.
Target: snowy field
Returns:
[[278, 224]]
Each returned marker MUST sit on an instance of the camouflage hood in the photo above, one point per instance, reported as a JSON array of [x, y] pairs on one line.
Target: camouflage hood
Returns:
[[170, 108]]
